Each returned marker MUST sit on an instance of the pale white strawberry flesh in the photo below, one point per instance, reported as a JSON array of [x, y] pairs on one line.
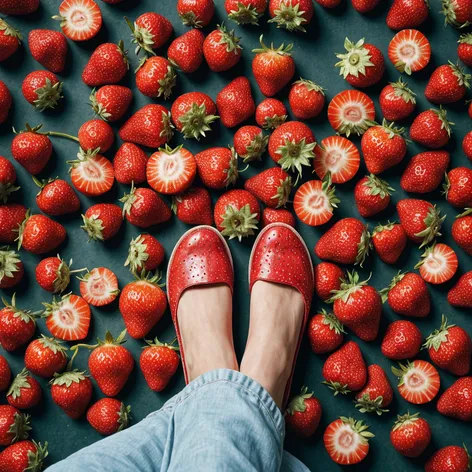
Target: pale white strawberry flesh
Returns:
[[100, 287]]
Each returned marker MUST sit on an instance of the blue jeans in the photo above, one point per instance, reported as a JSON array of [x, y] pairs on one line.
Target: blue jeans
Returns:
[[222, 421]]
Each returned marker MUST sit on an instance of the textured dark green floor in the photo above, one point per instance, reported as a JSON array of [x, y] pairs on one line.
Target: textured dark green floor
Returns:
[[314, 56]]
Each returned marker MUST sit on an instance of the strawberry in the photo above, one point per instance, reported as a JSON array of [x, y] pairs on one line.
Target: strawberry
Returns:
[[292, 146], [456, 401], [347, 440], [196, 13], [364, 6], [221, 49], [130, 164], [389, 241], [110, 364], [53, 274], [464, 50], [314, 201], [155, 77], [449, 459], [467, 145], [397, 101], [458, 187], [80, 20], [270, 215], [271, 186], [306, 99], [273, 68], [303, 414], [17, 326], [91, 173], [71, 391], [102, 221], [6, 102], [450, 348], [460, 294], [14, 425], [270, 113], [150, 31], [245, 12], [420, 219], [461, 230], [217, 167], [109, 416], [325, 333], [425, 171], [185, 53], [372, 195], [407, 295], [193, 113], [95, 134], [351, 111], [235, 103], [345, 371], [7, 179], [250, 143], [402, 340], [447, 84], [150, 126], [431, 128], [110, 102], [49, 48], [24, 455], [292, 15], [376, 394], [11, 268], [10, 40], [407, 14], [24, 392], [362, 65], [339, 157], [410, 435], [457, 13], [438, 264], [237, 214], [328, 278], [193, 207], [145, 253], [409, 50], [31, 149], [159, 362], [56, 197], [418, 381], [346, 242], [107, 65], [42, 89], [358, 306], [45, 356], [11, 216], [99, 287]]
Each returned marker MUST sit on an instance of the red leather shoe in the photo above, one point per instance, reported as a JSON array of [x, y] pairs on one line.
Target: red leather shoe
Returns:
[[200, 257], [280, 255]]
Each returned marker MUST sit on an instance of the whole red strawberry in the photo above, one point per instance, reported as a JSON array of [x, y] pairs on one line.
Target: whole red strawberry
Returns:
[[18, 7], [221, 49], [464, 50], [456, 401], [292, 15], [11, 268], [10, 40], [159, 362], [193, 207], [461, 230], [449, 459], [111, 102], [31, 149], [42, 89], [407, 14], [49, 48], [196, 13], [14, 425], [150, 31], [11, 217], [271, 215], [377, 393], [245, 12], [145, 253], [461, 294], [235, 103], [447, 84], [458, 13], [458, 187], [303, 414], [397, 101], [306, 99], [186, 52], [53, 274], [109, 416], [325, 333], [6, 102], [402, 340], [24, 455], [45, 356], [410, 435], [250, 143], [327, 278], [270, 113], [431, 128], [102, 221], [56, 197], [271, 186], [24, 392], [95, 134], [389, 241], [130, 164], [155, 77], [217, 167], [372, 195]]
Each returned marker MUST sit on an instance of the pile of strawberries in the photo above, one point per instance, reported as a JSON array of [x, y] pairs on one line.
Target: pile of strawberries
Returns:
[[173, 171]]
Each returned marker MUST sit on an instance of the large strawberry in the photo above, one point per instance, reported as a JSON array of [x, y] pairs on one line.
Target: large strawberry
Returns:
[[56, 197], [49, 48], [145, 253], [376, 394], [245, 12], [447, 84], [410, 435], [402, 340], [10, 40], [14, 425], [303, 414], [11, 217], [217, 167], [150, 31], [129, 164], [372, 195], [196, 13], [397, 101], [235, 103], [456, 401], [24, 392], [155, 77], [250, 143], [431, 128], [458, 187], [461, 294], [449, 459], [221, 49], [325, 333], [193, 207], [407, 14], [45, 356], [185, 53], [24, 455], [102, 221], [271, 186], [42, 89], [110, 102], [95, 134], [389, 241], [293, 15], [11, 268], [462, 230], [306, 99]]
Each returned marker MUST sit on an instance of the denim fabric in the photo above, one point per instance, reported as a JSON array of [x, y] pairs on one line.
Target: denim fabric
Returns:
[[222, 421]]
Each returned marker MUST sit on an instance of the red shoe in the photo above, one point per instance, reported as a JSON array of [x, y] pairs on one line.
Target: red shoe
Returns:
[[280, 255], [200, 257]]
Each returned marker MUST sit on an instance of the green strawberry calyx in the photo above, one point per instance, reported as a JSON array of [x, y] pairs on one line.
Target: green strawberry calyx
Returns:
[[402, 90], [356, 60], [21, 229], [239, 223], [66, 379], [387, 227], [290, 17], [53, 344], [274, 121], [330, 320], [364, 247], [189, 18], [465, 38], [128, 200], [62, 280], [124, 416], [449, 11], [401, 371], [432, 222], [438, 336], [463, 79], [385, 291], [366, 404], [25, 315], [467, 212], [150, 278], [445, 123], [282, 50], [378, 186], [196, 121], [229, 39], [137, 254], [349, 286], [295, 154], [97, 107], [311, 86], [94, 227], [330, 192], [391, 130], [166, 83], [9, 263], [19, 382], [337, 387], [48, 96], [297, 403], [245, 15], [359, 427], [83, 156], [283, 192], [36, 459], [9, 30], [156, 343], [255, 148], [142, 37], [405, 420], [232, 172], [20, 427]]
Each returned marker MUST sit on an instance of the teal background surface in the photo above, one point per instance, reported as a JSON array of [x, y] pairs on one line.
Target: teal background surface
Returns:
[[314, 56]]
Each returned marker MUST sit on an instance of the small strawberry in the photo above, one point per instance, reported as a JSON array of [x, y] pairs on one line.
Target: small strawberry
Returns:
[[109, 416], [462, 230], [364, 6], [409, 50], [407, 14], [292, 15], [438, 264], [306, 99], [237, 214], [235, 103], [447, 84], [458, 187], [45, 356], [270, 113], [456, 401], [410, 435], [431, 128], [458, 13], [328, 278], [11, 268], [145, 253], [376, 394], [250, 143], [80, 20], [217, 167], [11, 217], [449, 459], [397, 101], [389, 241], [418, 381], [107, 65], [345, 371], [464, 50], [467, 145], [196, 13], [24, 455], [159, 362], [14, 425], [273, 68], [95, 134], [130, 164], [362, 65], [150, 31], [221, 49], [49, 48], [6, 102], [402, 340], [271, 186], [193, 207], [303, 414], [461, 294], [102, 221], [271, 215], [185, 53], [24, 392], [56, 197], [110, 102], [245, 12], [155, 77], [372, 195], [10, 40], [53, 274], [99, 287], [42, 89], [425, 171], [325, 333]]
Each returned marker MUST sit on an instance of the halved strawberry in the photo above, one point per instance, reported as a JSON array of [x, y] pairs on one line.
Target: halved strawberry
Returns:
[[336, 155], [419, 381], [409, 50], [99, 286], [80, 19], [351, 111], [68, 318], [171, 171], [438, 264], [314, 202]]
